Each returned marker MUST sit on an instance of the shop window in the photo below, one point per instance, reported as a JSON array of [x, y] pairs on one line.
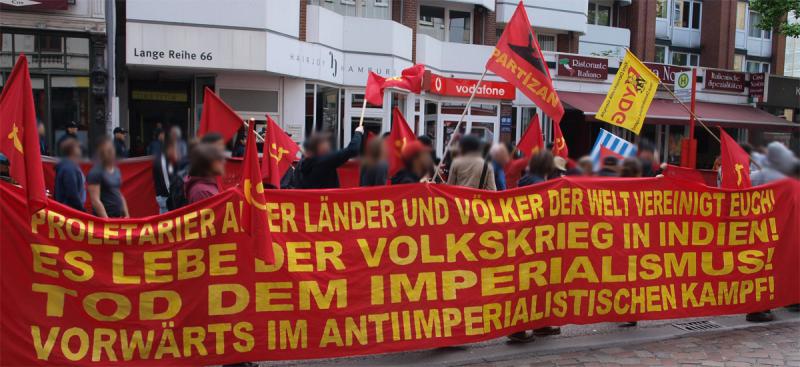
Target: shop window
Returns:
[[757, 67], [687, 14], [453, 108], [250, 100], [738, 62], [6, 50], [372, 125], [685, 59], [69, 101], [756, 32], [483, 109], [599, 14], [741, 15], [662, 9], [432, 21], [431, 113], [661, 54], [358, 101]]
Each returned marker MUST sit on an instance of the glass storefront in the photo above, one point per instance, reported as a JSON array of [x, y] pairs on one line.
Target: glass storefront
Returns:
[[60, 78]]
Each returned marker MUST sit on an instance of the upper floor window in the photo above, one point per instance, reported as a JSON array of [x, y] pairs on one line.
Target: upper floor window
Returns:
[[379, 9], [741, 15], [661, 54], [599, 14], [738, 62], [686, 14], [757, 67], [547, 42], [45, 51], [445, 24], [756, 32], [684, 59], [662, 9]]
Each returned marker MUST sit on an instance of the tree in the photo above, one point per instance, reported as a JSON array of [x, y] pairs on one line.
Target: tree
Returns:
[[774, 15]]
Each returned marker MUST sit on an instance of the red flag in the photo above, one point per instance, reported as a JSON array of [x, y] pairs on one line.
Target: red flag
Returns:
[[735, 163], [280, 152], [19, 139], [254, 214], [218, 117], [559, 144], [518, 59], [531, 141], [410, 79], [514, 171], [400, 135]]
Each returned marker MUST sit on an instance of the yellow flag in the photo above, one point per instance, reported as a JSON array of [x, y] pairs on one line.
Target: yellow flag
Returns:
[[630, 95]]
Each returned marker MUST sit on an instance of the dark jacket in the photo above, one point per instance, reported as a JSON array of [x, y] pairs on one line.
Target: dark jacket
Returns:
[[70, 185], [499, 176], [374, 176], [120, 148], [163, 173], [607, 172], [529, 179], [405, 176], [320, 172], [199, 188]]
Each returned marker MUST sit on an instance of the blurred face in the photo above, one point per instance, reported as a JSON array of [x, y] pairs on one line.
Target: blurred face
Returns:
[[220, 144], [75, 154], [218, 167], [172, 153], [72, 130], [107, 154], [324, 148], [501, 156], [40, 128], [119, 136]]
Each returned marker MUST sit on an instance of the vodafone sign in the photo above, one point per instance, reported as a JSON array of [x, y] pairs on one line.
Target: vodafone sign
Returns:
[[455, 87]]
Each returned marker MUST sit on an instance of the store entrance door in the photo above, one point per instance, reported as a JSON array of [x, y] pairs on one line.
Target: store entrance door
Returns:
[[483, 121], [151, 105]]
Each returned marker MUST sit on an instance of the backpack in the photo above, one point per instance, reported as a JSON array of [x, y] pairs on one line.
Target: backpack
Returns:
[[177, 198]]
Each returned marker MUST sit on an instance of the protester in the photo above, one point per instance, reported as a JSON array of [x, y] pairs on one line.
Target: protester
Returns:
[[646, 153], [165, 173], [238, 147], [214, 139], [559, 166], [470, 169], [610, 167], [586, 165], [42, 138], [632, 167], [540, 168], [206, 163], [120, 147], [70, 183], [70, 132], [778, 163], [373, 165], [155, 145], [181, 147], [417, 163], [428, 142], [105, 182], [318, 167], [500, 157]]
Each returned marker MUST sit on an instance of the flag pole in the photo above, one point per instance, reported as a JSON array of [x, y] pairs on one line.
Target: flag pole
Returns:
[[363, 109], [460, 120], [689, 110], [247, 125]]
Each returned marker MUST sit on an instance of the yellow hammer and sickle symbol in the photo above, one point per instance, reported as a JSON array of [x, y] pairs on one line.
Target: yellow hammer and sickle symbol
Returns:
[[248, 195], [560, 144], [14, 137], [279, 152], [399, 144], [739, 167], [395, 78]]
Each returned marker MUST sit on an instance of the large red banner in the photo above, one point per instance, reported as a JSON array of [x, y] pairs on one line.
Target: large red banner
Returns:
[[383, 269]]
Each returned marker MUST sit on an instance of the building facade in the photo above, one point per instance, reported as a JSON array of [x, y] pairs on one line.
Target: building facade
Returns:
[[65, 43]]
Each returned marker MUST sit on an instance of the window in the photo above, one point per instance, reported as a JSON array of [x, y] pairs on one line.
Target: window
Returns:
[[378, 9], [738, 62], [757, 67], [687, 14], [756, 32], [741, 15], [432, 21], [547, 42], [661, 54], [685, 59], [599, 14], [661, 9], [46, 51]]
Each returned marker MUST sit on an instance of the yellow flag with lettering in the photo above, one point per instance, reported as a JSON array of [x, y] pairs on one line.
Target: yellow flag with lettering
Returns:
[[630, 95]]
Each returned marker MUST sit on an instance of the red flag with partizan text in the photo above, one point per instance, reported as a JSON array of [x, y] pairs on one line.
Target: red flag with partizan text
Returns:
[[218, 117], [254, 213], [400, 135], [735, 163], [410, 79], [559, 144], [19, 139], [518, 59], [280, 151], [531, 140]]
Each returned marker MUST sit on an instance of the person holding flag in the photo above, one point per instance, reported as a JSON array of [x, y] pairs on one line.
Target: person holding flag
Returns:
[[317, 169], [19, 136]]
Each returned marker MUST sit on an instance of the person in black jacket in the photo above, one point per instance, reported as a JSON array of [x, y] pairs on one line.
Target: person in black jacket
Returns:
[[318, 168], [417, 159], [70, 132], [164, 171], [70, 185]]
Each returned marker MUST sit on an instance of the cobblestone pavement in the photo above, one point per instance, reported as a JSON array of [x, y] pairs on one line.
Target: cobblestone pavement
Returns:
[[767, 345]]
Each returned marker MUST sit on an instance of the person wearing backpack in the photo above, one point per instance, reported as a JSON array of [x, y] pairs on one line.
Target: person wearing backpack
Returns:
[[164, 172]]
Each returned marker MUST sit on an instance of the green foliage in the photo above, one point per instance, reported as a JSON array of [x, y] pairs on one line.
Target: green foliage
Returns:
[[774, 14]]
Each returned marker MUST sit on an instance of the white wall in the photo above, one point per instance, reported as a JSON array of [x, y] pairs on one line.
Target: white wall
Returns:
[[294, 107], [467, 61], [602, 40], [558, 15]]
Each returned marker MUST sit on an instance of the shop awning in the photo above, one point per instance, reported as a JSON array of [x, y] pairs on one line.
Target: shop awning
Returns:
[[666, 111]]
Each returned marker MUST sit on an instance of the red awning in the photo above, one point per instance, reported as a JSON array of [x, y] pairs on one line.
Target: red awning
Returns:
[[666, 111]]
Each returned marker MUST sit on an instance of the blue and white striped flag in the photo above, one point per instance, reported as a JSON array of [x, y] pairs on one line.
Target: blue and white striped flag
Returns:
[[612, 143]]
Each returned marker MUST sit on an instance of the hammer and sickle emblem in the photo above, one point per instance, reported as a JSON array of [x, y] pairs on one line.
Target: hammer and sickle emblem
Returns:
[[248, 194], [560, 144], [399, 144], [738, 167], [395, 78], [14, 137], [277, 152]]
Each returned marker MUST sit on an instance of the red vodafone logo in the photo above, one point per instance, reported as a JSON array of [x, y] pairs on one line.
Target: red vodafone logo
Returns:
[[457, 87]]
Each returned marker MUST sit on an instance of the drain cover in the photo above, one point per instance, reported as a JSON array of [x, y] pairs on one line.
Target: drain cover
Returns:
[[697, 325]]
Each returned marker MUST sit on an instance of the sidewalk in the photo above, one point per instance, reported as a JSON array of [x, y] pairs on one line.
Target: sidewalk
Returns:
[[733, 342]]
